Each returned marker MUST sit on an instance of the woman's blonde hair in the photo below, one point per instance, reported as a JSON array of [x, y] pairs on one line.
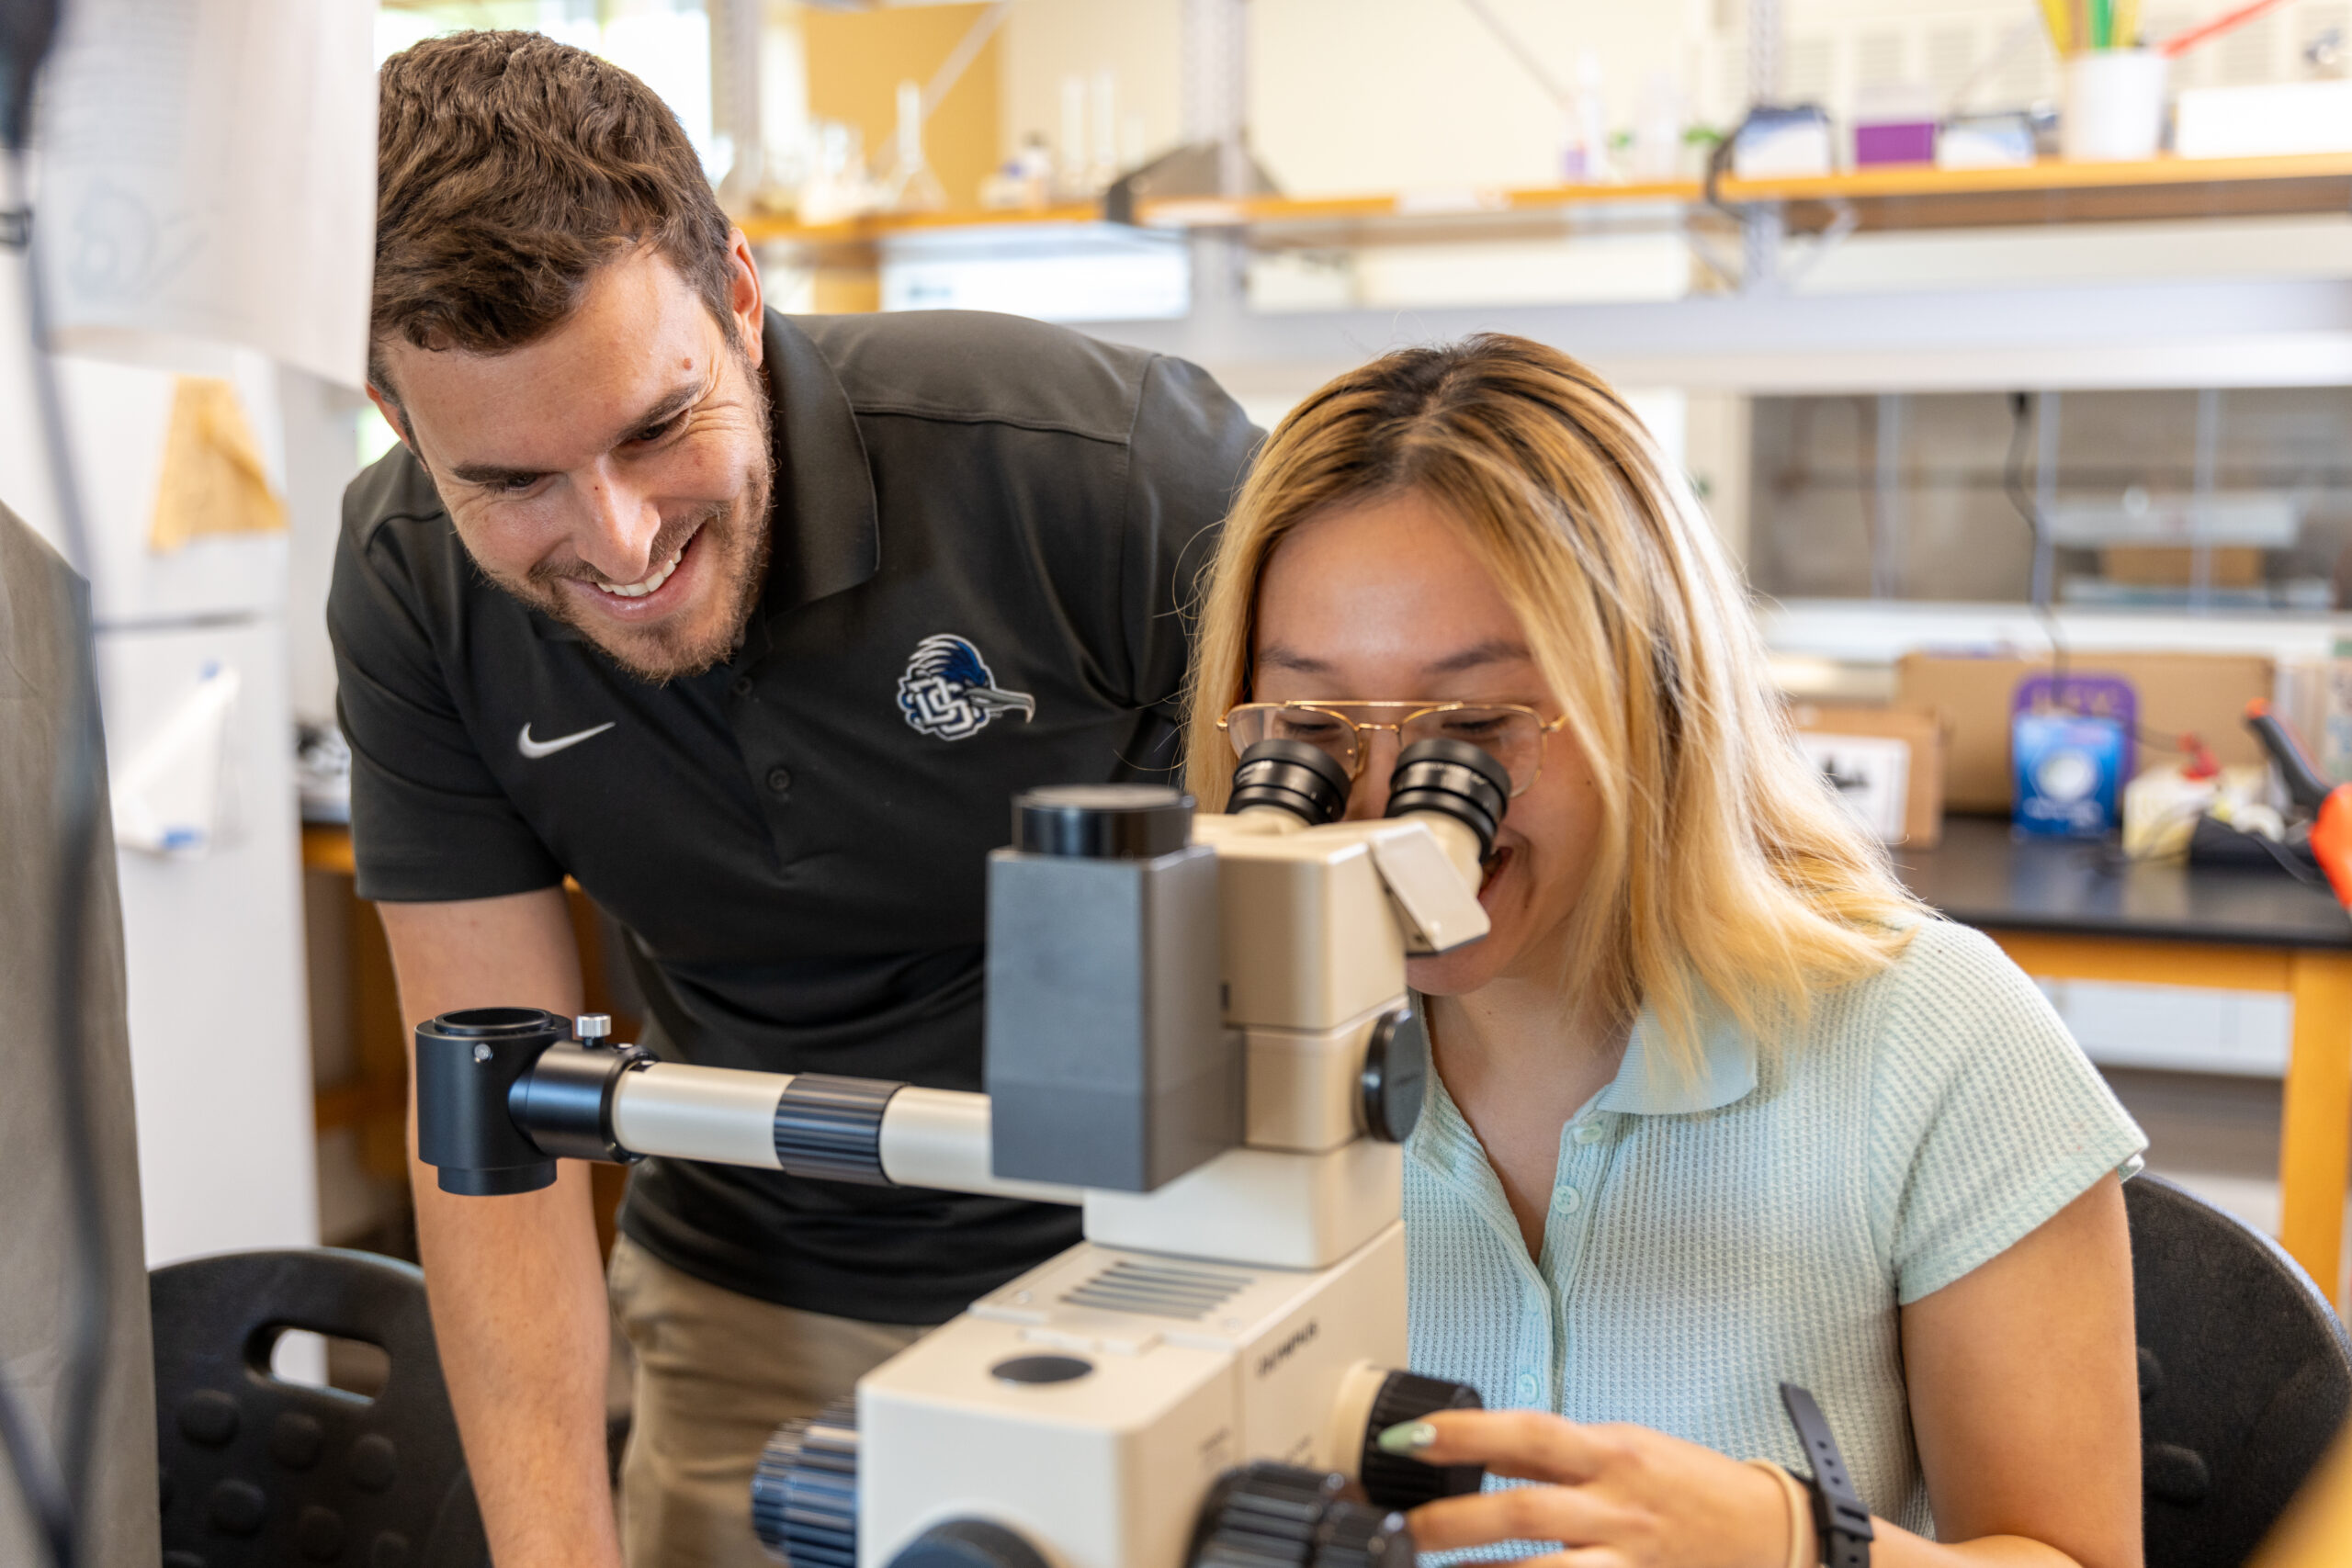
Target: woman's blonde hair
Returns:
[[1726, 870]]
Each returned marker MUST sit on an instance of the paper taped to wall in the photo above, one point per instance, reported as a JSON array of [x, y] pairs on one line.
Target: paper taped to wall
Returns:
[[207, 177], [213, 479], [178, 797]]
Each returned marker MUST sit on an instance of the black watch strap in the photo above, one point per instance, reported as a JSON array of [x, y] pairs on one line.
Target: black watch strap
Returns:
[[1839, 1520]]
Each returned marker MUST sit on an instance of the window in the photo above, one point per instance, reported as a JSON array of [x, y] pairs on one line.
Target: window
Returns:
[[2229, 501]]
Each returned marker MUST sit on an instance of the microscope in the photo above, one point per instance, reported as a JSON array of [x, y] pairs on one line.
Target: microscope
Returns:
[[1197, 1031]]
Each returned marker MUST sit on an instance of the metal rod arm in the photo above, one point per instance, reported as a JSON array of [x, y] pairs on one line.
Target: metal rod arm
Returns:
[[918, 1137]]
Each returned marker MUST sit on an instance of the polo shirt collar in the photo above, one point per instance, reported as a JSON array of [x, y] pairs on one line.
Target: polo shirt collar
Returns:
[[1648, 1085], [827, 534], [1726, 1074]]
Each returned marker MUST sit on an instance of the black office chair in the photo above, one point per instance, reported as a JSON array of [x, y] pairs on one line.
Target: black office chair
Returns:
[[2245, 1376], [275, 1474]]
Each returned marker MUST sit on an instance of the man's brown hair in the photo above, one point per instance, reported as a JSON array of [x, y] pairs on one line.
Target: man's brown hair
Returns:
[[509, 167]]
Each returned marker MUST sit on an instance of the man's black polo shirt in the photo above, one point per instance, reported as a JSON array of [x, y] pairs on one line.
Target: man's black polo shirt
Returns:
[[984, 530]]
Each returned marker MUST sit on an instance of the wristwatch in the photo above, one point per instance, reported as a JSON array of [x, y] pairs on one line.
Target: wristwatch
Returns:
[[1841, 1523]]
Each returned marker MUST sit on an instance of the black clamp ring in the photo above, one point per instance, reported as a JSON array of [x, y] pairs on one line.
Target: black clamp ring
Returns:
[[830, 1127]]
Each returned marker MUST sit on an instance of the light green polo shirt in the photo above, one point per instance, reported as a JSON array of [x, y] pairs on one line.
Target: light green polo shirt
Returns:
[[1708, 1240]]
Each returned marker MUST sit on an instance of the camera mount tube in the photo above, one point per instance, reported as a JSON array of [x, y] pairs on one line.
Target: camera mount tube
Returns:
[[565, 1101], [940, 1138], [719, 1114], [812, 1124], [502, 1093]]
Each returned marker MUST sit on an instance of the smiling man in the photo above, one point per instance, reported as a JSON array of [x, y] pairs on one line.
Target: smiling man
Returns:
[[752, 626]]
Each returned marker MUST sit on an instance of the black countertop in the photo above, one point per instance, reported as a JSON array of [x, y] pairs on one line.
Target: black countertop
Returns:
[[1980, 877]]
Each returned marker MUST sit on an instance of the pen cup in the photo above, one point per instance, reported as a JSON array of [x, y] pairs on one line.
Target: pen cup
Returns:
[[2114, 107]]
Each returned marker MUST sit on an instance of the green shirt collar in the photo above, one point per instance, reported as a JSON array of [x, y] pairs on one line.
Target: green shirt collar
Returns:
[[1647, 1084], [1727, 1072]]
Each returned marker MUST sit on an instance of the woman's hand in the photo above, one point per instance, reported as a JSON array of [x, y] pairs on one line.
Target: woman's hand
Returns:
[[1619, 1496]]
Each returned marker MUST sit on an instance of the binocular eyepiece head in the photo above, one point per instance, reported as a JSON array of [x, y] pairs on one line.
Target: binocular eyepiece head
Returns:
[[1452, 778], [1293, 776], [1449, 778]]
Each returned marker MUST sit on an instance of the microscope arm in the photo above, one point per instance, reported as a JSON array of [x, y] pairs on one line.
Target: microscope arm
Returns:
[[504, 1093], [922, 1137]]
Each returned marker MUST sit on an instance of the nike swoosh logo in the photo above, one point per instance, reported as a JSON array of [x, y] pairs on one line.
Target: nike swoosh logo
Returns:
[[535, 750]]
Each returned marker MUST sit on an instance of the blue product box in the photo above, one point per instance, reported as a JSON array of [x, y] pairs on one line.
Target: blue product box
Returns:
[[2069, 773]]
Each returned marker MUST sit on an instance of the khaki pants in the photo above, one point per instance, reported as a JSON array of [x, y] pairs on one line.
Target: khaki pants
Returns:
[[716, 1373]]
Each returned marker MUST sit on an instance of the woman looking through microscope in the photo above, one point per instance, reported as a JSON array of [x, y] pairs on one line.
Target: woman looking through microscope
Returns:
[[1715, 1104]]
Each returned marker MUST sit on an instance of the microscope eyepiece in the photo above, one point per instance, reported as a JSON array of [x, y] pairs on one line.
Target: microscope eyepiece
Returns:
[[1293, 776], [1453, 779]]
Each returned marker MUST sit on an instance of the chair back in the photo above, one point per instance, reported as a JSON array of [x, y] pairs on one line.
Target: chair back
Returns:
[[2245, 1376], [258, 1471]]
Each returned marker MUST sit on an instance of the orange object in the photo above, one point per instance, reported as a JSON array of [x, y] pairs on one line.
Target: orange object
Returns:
[[2332, 842], [2330, 804], [2180, 43]]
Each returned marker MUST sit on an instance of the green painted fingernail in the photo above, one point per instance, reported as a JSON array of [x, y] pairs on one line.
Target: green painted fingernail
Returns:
[[1406, 1438]]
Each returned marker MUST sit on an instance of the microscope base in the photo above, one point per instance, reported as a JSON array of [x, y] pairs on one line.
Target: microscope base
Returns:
[[1165, 1373]]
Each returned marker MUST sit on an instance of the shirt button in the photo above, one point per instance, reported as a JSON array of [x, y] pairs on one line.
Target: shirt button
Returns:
[[741, 685], [1588, 1132], [1568, 1199], [779, 780], [1527, 1388]]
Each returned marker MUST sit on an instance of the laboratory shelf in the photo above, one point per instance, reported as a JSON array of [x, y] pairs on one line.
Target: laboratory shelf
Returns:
[[1883, 198], [2057, 191], [853, 236]]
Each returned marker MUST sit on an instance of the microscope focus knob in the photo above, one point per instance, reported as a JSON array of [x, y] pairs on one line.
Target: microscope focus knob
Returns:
[[1281, 1516], [970, 1543], [1399, 1480], [804, 1491], [1358, 1537], [1395, 1077]]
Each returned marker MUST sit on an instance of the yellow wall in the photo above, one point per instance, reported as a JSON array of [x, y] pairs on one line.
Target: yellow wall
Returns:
[[857, 60], [1140, 42]]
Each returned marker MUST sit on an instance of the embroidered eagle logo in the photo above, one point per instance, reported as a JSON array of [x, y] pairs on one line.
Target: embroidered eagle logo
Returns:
[[949, 692]]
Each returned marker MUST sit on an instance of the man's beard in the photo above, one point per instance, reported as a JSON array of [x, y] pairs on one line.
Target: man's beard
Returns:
[[736, 538], [733, 544]]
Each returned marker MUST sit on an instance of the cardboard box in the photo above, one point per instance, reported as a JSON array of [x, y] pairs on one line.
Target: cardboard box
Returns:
[[2199, 694], [2175, 566], [1919, 731], [2272, 120]]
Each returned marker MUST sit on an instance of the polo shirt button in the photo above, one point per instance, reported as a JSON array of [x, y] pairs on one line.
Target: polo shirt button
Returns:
[[741, 685], [1588, 1132], [1527, 1387], [779, 779], [1568, 1199]]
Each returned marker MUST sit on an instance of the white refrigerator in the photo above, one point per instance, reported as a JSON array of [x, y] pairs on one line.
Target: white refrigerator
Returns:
[[204, 201], [212, 931]]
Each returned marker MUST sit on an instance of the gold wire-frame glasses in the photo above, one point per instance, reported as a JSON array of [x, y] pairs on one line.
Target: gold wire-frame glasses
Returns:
[[1511, 733]]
